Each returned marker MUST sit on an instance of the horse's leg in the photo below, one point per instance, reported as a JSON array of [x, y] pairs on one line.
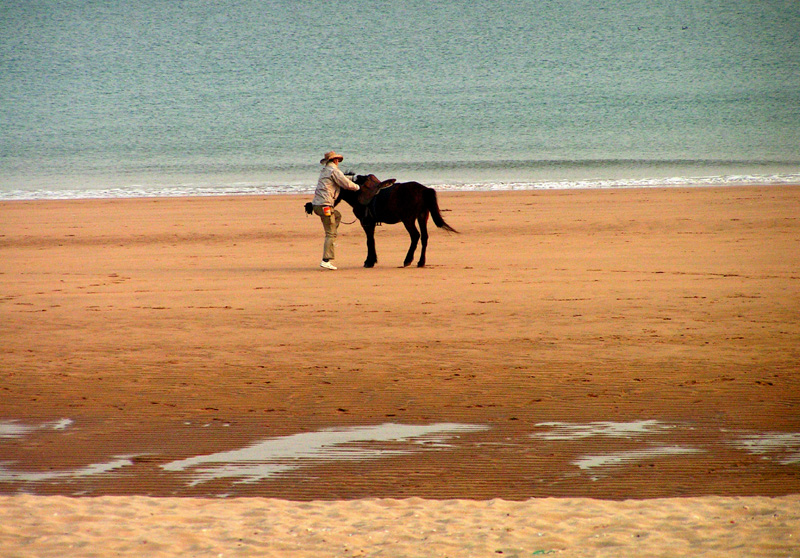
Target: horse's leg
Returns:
[[414, 234], [423, 228], [372, 255]]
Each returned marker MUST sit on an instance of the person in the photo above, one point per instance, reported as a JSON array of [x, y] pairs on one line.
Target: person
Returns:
[[331, 179]]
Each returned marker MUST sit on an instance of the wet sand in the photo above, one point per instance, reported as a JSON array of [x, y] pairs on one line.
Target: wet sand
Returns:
[[140, 334]]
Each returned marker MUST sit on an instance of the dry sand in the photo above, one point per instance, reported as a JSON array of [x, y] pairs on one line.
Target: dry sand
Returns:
[[615, 345], [137, 526]]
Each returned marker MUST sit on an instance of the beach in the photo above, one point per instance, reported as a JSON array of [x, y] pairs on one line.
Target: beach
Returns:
[[137, 526], [576, 371]]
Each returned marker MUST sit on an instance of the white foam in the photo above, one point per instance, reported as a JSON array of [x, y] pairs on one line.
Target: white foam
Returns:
[[265, 189], [620, 183]]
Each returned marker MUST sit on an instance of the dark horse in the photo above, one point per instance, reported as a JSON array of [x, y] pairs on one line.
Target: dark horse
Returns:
[[391, 202]]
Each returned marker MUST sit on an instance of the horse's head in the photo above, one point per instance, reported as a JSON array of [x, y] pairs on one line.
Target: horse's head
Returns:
[[372, 182], [350, 196]]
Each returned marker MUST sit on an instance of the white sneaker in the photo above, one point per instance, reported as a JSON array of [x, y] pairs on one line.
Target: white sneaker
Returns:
[[327, 265]]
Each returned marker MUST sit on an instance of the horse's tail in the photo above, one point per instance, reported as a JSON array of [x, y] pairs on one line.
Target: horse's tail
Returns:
[[433, 206]]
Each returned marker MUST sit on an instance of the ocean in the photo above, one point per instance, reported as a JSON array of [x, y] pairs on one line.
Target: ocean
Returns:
[[200, 97]]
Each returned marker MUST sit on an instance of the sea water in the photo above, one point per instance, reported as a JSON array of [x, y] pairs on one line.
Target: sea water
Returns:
[[158, 97]]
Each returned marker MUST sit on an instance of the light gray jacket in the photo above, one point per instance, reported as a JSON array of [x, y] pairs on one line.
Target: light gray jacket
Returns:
[[331, 179]]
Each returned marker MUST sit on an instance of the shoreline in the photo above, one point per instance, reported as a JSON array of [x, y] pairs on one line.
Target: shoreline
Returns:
[[259, 189]]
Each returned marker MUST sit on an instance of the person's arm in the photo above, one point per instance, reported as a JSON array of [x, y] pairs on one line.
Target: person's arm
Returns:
[[342, 181]]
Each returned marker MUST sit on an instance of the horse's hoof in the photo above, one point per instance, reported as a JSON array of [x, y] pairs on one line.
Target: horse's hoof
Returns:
[[421, 264], [369, 264]]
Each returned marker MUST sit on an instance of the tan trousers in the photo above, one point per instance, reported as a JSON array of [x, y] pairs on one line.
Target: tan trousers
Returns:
[[331, 224]]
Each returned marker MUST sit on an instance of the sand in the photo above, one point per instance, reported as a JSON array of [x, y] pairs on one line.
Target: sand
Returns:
[[138, 526], [612, 367]]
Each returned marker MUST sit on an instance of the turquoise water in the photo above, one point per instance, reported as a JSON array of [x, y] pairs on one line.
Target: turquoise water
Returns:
[[201, 97]]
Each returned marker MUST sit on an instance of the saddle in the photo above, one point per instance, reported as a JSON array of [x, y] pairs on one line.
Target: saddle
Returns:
[[367, 192]]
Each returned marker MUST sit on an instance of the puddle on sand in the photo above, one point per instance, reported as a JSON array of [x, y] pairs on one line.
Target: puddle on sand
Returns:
[[562, 431], [272, 457], [7, 475], [16, 429], [571, 431], [782, 444], [625, 457], [772, 443], [275, 456]]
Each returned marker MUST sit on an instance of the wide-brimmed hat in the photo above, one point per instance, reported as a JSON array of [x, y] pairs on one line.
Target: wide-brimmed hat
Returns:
[[330, 156]]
